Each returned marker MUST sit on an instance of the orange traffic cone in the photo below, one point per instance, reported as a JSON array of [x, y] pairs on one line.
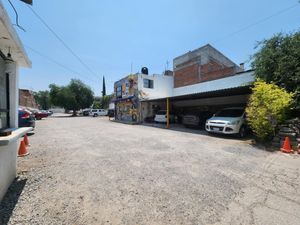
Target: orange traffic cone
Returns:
[[26, 140], [22, 150], [286, 148]]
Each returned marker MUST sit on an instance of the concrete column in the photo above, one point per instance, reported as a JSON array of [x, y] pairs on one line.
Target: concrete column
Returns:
[[12, 69]]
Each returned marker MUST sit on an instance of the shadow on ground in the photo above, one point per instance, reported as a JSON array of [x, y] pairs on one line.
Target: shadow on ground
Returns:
[[181, 128], [11, 199]]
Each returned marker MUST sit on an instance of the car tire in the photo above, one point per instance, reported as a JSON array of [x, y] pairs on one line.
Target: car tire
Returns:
[[242, 132], [95, 115]]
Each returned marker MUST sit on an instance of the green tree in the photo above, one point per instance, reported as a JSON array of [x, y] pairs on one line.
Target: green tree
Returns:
[[76, 95], [278, 61], [43, 99], [266, 108], [105, 100]]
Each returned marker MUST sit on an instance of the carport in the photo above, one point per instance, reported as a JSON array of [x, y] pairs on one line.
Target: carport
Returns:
[[211, 101]]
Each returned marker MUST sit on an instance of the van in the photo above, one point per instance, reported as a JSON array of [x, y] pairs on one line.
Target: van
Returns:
[[98, 112]]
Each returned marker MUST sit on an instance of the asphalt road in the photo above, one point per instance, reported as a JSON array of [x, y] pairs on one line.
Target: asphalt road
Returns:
[[87, 170]]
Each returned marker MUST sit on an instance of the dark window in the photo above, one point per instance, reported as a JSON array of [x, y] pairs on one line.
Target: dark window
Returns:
[[148, 83], [119, 92], [230, 113], [4, 100]]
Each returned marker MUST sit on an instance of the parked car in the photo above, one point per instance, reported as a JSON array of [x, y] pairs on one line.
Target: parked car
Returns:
[[40, 114], [49, 112], [161, 117], [86, 112], [26, 118], [98, 112], [196, 119], [228, 121]]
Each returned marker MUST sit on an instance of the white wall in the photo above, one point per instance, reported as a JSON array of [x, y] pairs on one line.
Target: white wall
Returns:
[[8, 165], [162, 86]]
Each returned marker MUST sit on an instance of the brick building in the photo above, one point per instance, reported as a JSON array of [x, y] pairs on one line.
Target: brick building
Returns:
[[26, 99], [200, 65]]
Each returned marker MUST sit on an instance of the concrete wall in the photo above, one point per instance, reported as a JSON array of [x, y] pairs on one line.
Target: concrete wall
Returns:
[[8, 165]]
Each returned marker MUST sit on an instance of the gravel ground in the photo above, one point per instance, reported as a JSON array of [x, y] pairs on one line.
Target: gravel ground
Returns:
[[87, 170]]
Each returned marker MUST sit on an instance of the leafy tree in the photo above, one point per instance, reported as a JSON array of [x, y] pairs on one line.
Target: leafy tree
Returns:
[[74, 96], [278, 61], [43, 99], [96, 105], [105, 100], [266, 108]]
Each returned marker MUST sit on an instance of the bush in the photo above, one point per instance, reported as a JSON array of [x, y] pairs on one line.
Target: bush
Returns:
[[267, 107]]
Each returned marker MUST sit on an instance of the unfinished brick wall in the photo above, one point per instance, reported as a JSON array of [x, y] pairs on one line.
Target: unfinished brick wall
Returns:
[[200, 73]]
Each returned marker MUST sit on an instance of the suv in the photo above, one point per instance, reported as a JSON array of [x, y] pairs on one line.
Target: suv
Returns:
[[196, 119], [161, 117], [98, 112], [228, 121]]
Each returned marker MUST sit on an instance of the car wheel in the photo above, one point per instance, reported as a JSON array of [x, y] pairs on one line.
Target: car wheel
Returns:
[[95, 115], [242, 132]]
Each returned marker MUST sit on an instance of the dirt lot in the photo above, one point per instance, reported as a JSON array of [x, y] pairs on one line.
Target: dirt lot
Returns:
[[92, 171]]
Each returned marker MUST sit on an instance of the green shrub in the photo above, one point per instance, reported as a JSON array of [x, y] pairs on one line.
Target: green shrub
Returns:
[[267, 107]]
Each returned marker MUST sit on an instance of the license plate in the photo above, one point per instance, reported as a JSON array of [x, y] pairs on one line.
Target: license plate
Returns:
[[217, 129]]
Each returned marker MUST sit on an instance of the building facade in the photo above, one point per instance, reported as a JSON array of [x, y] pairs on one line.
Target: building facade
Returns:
[[132, 89], [12, 56], [203, 78]]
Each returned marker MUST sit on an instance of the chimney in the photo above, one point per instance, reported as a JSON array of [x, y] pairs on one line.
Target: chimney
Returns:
[[242, 66]]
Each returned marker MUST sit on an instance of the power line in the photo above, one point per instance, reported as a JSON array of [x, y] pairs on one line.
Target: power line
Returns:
[[58, 63], [17, 16], [63, 42], [257, 22]]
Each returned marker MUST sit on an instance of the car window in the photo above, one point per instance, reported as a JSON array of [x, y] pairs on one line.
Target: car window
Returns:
[[230, 113]]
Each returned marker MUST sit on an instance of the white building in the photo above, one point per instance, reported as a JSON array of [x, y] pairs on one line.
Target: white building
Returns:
[[12, 56]]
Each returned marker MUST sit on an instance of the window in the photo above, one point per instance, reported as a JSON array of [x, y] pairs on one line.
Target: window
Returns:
[[4, 101], [119, 91], [148, 83]]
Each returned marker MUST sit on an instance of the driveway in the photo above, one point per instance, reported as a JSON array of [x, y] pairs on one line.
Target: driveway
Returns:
[[87, 170]]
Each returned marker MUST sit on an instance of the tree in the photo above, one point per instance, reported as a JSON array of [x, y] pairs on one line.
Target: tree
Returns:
[[266, 108], [105, 100], [74, 96], [278, 61], [43, 99], [103, 87]]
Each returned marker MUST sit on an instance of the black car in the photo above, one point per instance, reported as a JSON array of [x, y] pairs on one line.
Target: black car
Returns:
[[26, 118]]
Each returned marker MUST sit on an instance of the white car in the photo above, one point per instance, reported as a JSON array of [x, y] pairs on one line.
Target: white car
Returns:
[[227, 121], [98, 112], [161, 117]]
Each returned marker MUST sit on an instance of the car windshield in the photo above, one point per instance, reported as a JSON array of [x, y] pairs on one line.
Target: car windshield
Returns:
[[230, 113]]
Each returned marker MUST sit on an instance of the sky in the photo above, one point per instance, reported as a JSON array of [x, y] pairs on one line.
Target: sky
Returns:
[[114, 38]]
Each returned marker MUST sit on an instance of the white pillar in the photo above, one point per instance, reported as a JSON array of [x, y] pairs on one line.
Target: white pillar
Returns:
[[12, 69]]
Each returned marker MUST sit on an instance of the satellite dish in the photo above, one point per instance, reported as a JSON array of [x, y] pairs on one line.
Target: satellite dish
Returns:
[[145, 70]]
